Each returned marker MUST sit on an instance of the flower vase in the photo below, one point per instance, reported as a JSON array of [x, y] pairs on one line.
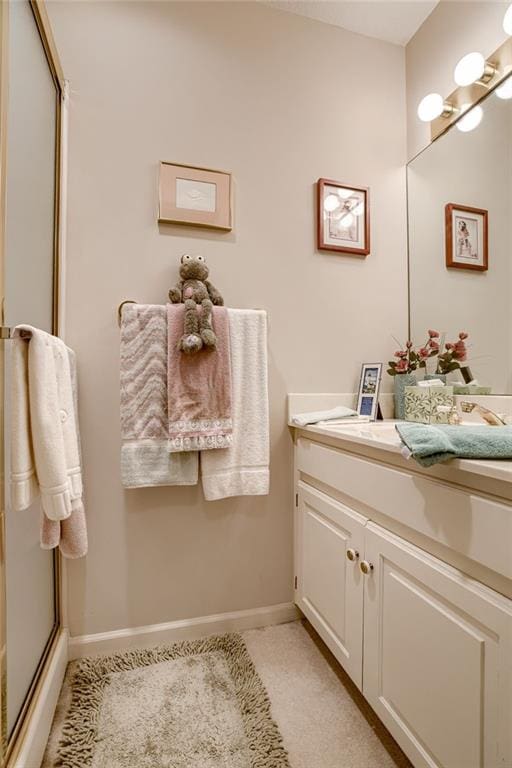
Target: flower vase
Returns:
[[402, 380]]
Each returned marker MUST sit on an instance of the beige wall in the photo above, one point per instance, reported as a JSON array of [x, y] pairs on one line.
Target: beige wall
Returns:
[[280, 101], [452, 30]]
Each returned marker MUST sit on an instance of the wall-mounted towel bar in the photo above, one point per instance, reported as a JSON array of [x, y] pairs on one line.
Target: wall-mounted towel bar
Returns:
[[10, 333], [132, 301]]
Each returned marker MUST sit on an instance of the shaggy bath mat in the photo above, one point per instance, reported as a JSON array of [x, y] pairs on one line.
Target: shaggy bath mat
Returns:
[[197, 704]]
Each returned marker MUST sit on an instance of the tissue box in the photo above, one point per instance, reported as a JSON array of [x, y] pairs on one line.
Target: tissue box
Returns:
[[421, 404]]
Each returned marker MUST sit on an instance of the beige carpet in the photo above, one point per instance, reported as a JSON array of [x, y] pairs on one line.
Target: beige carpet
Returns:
[[322, 717]]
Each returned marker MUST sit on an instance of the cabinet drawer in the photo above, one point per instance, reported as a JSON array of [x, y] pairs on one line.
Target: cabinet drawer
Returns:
[[471, 525]]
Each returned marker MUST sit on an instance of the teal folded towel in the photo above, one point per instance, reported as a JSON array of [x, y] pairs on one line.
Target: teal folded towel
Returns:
[[340, 412], [430, 444]]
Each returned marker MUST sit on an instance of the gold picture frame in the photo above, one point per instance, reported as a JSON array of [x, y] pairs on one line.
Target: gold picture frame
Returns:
[[194, 196]]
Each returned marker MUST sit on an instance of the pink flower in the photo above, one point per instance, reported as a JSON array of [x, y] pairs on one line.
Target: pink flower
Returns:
[[448, 345], [433, 334], [424, 353], [434, 345], [402, 366], [459, 351], [463, 335], [400, 353], [409, 344]]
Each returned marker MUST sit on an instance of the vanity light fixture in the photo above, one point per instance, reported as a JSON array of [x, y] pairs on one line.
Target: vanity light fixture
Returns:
[[507, 20], [471, 120], [504, 91], [473, 68], [432, 106], [331, 202]]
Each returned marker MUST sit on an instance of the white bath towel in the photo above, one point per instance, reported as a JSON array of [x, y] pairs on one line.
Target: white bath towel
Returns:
[[52, 423], [145, 458], [69, 534], [243, 469]]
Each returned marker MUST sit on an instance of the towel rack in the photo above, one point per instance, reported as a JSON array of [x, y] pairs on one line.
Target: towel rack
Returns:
[[132, 301], [9, 333]]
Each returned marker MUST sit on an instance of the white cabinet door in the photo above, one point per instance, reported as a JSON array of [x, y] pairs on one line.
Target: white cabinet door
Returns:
[[329, 584], [437, 657]]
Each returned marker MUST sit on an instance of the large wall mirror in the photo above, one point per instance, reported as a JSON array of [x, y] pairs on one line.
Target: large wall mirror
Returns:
[[472, 171]]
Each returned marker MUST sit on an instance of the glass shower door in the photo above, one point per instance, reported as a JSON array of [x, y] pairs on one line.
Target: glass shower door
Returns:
[[30, 176]]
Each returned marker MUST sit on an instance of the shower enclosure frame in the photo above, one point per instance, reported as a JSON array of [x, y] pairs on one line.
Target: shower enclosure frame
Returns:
[[10, 746]]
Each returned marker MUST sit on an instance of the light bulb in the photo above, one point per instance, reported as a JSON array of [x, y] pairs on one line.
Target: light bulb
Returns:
[[331, 202], [430, 107], [358, 210], [473, 68], [345, 193], [346, 221], [505, 90], [471, 119], [507, 20]]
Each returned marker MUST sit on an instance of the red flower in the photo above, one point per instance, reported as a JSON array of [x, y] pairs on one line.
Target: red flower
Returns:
[[463, 335], [433, 334], [402, 366], [424, 352], [400, 353], [434, 345], [448, 345]]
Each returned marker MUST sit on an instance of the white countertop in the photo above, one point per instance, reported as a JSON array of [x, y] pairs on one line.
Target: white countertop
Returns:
[[382, 435]]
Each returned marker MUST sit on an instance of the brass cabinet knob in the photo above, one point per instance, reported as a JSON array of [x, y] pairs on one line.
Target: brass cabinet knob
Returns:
[[366, 567], [352, 554]]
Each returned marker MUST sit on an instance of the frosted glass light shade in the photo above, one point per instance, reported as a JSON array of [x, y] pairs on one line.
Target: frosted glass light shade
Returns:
[[505, 90], [471, 120], [469, 69], [507, 20], [331, 202], [430, 107]]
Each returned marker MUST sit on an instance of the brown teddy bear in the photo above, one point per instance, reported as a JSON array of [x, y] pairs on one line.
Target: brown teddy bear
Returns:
[[194, 289]]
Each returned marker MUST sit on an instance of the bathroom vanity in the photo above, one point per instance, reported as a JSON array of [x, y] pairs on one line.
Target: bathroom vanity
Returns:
[[406, 574]]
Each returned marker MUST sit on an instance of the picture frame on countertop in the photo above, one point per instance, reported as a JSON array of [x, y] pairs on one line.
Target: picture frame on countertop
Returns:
[[369, 388]]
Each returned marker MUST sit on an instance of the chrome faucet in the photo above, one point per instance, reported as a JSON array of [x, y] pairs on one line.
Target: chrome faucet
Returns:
[[490, 417]]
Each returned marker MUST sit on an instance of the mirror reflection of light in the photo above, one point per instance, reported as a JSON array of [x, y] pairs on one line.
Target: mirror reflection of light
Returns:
[[358, 210], [471, 119], [507, 20], [346, 221], [331, 202], [345, 193], [505, 91]]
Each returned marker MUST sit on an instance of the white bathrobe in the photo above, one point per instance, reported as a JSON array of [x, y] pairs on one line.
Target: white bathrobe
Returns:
[[44, 441]]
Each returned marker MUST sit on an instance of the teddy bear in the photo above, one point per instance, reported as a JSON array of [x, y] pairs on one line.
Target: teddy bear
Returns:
[[194, 289]]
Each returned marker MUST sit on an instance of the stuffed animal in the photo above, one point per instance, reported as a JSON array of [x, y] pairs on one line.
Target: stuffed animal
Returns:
[[194, 289]]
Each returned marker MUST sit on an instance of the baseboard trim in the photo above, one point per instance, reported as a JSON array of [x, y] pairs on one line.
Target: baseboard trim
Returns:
[[185, 629], [30, 750]]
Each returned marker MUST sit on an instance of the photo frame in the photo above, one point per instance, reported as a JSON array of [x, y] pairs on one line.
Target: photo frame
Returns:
[[466, 237], [343, 217], [200, 197], [369, 387]]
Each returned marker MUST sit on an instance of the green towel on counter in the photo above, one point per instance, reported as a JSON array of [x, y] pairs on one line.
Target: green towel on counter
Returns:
[[430, 444]]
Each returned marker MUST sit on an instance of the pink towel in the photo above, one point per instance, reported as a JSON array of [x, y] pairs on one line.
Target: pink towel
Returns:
[[199, 387]]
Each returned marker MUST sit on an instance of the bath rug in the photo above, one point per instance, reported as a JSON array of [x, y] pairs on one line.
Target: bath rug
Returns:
[[195, 704]]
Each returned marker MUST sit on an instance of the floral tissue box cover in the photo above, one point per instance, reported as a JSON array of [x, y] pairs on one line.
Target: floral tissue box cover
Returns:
[[421, 404]]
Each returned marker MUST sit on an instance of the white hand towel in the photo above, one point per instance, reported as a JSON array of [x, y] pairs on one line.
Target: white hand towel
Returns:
[[52, 423], [243, 469], [23, 481], [340, 412]]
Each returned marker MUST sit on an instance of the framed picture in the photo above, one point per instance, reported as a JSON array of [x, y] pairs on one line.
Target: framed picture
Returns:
[[466, 237], [343, 222], [200, 197], [369, 385]]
